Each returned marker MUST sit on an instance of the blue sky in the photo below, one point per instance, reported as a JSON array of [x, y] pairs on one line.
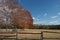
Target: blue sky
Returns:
[[43, 11]]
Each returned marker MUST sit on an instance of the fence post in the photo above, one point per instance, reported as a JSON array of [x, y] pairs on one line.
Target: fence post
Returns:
[[16, 34], [41, 35]]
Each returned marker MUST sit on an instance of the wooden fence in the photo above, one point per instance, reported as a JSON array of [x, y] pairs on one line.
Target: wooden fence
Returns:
[[12, 34]]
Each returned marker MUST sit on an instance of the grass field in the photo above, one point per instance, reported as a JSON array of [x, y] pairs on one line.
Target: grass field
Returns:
[[46, 35]]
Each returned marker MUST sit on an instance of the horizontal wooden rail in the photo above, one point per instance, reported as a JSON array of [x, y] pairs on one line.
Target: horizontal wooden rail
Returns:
[[27, 33], [51, 32]]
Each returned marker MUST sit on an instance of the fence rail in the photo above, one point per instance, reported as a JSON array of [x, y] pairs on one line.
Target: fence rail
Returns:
[[51, 32]]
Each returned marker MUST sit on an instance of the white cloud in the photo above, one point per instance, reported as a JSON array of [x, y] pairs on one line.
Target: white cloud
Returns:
[[33, 18], [58, 13], [54, 16], [45, 14], [36, 19], [53, 22], [39, 22]]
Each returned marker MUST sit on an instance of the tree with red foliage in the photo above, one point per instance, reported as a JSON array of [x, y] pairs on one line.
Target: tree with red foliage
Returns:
[[15, 14]]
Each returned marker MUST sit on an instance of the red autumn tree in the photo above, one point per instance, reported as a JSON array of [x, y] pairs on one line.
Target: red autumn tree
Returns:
[[13, 14]]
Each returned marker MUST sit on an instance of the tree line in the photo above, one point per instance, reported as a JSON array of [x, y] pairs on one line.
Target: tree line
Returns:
[[46, 27]]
